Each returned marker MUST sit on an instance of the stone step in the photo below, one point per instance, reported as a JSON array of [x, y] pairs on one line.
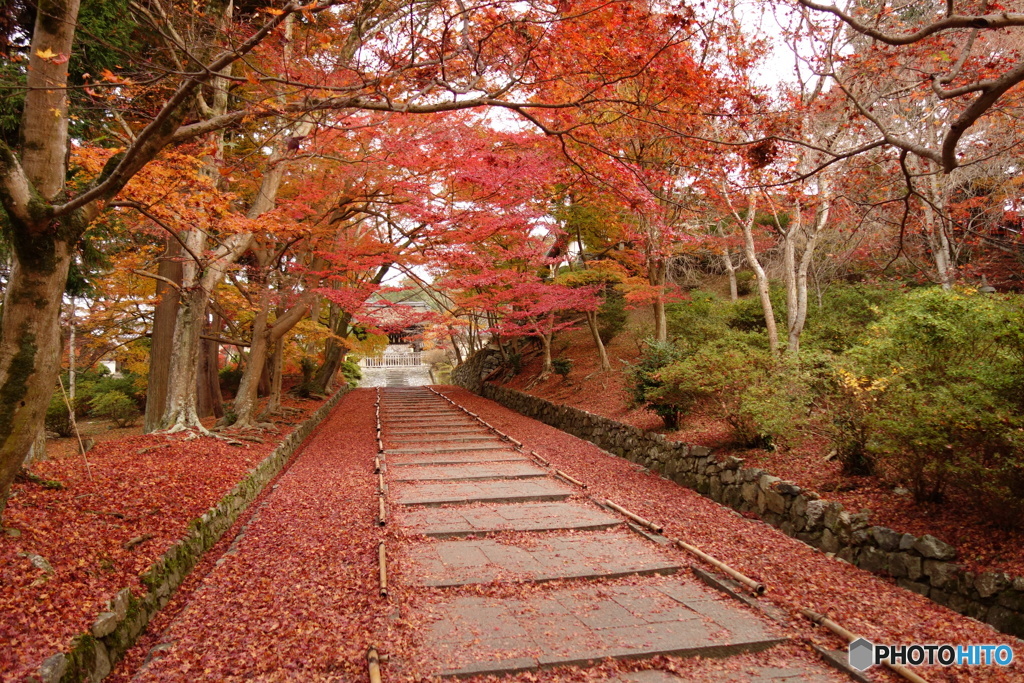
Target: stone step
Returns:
[[600, 555], [456, 458], [468, 471], [483, 519], [475, 635], [499, 446], [466, 492], [397, 431], [483, 438]]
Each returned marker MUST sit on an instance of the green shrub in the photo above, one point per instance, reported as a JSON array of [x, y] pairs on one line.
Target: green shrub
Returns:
[[231, 378], [646, 387], [844, 314], [701, 319], [58, 418], [351, 372], [747, 315], [720, 376], [562, 366], [745, 282], [945, 370], [514, 362], [611, 315], [116, 406]]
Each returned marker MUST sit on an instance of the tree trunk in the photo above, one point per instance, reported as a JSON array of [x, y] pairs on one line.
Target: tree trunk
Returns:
[[161, 338], [180, 412], [248, 389], [209, 401], [595, 332], [657, 275], [763, 287], [37, 453], [734, 290], [276, 366], [30, 350]]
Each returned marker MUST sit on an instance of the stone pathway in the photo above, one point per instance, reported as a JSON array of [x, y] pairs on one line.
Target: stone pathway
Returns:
[[586, 586]]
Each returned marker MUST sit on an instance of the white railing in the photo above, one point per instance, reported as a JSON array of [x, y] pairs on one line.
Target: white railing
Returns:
[[393, 360]]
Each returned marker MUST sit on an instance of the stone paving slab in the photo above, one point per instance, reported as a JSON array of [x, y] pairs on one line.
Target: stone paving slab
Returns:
[[454, 448], [587, 623], [499, 470], [454, 522], [402, 460], [478, 437], [479, 492], [400, 431], [606, 554], [426, 423]]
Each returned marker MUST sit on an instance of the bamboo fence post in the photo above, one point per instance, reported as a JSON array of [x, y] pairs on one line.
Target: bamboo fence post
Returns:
[[563, 475], [636, 518], [849, 636], [382, 560], [373, 664], [756, 587]]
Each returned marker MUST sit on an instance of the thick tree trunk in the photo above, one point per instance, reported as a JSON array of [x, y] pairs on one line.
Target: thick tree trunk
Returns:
[[161, 338], [248, 389], [209, 401], [30, 350], [595, 332], [181, 395], [276, 366]]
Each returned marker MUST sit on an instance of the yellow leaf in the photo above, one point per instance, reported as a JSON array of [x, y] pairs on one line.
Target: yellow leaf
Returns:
[[46, 54], [56, 112], [271, 10]]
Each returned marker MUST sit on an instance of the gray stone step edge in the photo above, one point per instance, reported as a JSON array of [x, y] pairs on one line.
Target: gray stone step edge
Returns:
[[920, 564], [92, 655]]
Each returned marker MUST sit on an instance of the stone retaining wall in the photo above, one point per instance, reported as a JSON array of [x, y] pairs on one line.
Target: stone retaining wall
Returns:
[[923, 565], [93, 654]]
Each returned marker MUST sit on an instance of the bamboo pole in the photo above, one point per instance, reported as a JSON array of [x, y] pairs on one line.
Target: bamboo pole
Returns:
[[542, 460], [636, 518], [380, 483], [757, 588], [563, 475], [373, 663], [849, 636], [376, 464], [382, 513], [382, 560]]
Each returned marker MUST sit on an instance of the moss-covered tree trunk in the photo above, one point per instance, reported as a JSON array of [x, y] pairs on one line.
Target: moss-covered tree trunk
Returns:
[[30, 348]]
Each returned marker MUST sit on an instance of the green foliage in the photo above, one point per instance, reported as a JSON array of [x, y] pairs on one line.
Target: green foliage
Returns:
[[562, 366], [58, 418], [352, 372], [515, 362], [116, 406], [724, 375], [611, 316], [231, 378], [748, 314], [646, 387], [943, 375], [93, 383], [844, 313], [701, 319], [744, 282]]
